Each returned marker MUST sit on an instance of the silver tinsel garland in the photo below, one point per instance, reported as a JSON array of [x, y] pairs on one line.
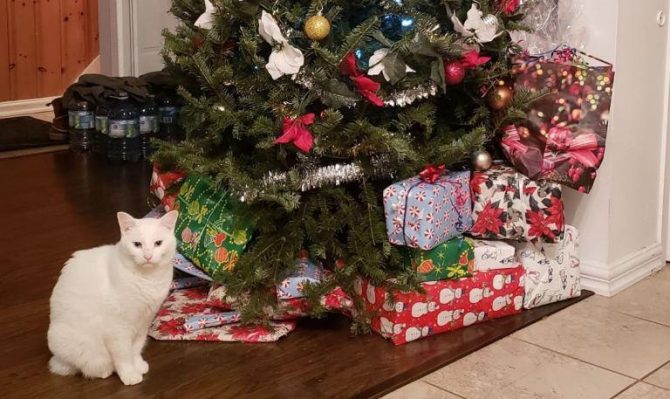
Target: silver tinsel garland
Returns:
[[400, 98], [315, 178], [406, 97]]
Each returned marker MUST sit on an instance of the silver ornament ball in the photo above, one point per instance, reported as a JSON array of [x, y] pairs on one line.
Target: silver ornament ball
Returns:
[[481, 160]]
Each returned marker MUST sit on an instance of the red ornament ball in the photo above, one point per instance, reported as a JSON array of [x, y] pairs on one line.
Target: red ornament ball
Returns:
[[454, 72]]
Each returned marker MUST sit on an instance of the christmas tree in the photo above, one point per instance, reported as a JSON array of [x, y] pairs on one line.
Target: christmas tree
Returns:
[[306, 110]]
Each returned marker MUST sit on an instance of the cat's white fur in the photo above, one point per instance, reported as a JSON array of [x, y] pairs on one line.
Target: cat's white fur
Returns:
[[106, 297]]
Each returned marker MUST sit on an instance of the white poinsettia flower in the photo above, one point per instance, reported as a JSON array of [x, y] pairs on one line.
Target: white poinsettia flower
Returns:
[[285, 59], [483, 28], [377, 66], [206, 20], [288, 61]]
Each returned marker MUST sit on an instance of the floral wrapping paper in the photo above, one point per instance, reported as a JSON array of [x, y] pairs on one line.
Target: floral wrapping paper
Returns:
[[509, 205], [193, 308], [209, 233], [423, 215], [305, 272], [564, 138], [552, 270], [452, 259], [447, 305], [169, 324], [493, 255], [165, 186]]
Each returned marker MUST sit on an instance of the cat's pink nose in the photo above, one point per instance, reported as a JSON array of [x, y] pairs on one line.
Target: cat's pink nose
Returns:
[[147, 257]]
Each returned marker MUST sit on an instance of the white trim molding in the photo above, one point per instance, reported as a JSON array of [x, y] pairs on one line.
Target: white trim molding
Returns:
[[25, 107], [609, 280]]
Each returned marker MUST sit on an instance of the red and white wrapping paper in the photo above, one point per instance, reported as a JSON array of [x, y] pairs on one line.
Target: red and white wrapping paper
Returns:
[[170, 322], [552, 270], [494, 255], [165, 186], [447, 305]]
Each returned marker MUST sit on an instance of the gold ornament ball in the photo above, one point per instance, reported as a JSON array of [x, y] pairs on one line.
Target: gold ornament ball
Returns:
[[500, 98], [317, 27], [481, 160]]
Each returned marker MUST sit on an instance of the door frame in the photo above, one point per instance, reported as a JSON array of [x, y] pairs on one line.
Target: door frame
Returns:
[[665, 155], [117, 30]]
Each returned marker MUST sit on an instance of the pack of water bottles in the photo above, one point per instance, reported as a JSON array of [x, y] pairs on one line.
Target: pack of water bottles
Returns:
[[121, 129]]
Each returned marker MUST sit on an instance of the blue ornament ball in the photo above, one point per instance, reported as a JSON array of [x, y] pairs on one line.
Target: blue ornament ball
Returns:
[[362, 58], [396, 26]]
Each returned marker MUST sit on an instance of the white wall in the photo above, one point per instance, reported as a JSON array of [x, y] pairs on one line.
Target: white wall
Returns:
[[621, 219]]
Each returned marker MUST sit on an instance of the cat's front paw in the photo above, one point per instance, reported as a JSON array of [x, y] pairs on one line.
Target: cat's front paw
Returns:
[[141, 365], [130, 377]]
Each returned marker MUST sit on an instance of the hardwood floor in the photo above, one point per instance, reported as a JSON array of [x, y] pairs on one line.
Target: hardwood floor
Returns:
[[54, 204]]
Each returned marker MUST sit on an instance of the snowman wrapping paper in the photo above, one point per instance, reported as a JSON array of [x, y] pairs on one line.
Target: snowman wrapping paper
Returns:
[[446, 305], [552, 270], [493, 255]]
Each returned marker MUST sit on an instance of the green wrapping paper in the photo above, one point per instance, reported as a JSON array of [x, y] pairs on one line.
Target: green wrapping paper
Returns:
[[452, 259], [209, 231]]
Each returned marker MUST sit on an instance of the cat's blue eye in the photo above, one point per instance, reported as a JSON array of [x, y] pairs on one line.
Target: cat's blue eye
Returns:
[[137, 244], [158, 243]]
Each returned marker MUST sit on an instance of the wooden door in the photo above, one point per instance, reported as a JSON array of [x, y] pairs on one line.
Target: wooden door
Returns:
[[45, 45]]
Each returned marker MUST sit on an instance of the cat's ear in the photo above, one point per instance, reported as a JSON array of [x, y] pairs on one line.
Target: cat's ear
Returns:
[[126, 222], [169, 220]]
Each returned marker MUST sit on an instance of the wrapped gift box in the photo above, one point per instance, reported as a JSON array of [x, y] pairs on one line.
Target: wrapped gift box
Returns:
[[493, 255], [165, 186], [423, 213], [305, 272], [552, 270], [509, 205], [446, 305], [450, 260], [563, 138], [209, 231], [180, 305]]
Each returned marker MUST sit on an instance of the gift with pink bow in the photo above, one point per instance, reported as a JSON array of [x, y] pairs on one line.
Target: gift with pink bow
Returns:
[[563, 137]]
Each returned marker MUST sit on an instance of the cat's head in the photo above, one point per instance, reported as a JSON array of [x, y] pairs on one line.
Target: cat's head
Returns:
[[148, 242]]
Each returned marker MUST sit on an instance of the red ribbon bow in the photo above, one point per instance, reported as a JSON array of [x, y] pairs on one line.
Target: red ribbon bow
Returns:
[[431, 173], [366, 86], [511, 142], [579, 148], [295, 131]]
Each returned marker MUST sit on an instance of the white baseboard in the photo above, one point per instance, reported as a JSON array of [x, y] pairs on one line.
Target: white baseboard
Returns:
[[608, 280], [25, 107]]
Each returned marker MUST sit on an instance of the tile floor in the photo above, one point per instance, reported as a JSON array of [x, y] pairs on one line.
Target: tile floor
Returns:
[[600, 348]]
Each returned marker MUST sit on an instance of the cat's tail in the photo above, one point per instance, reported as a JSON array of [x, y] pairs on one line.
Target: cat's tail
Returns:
[[58, 366]]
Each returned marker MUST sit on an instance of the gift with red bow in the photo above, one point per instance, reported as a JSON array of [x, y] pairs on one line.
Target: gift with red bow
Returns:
[[426, 210], [563, 139]]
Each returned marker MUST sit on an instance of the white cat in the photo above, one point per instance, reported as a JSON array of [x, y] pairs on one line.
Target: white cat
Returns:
[[106, 297]]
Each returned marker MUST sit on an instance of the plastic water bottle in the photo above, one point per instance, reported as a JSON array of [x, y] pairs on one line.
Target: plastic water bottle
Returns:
[[101, 129], [168, 110], [124, 144], [149, 126], [82, 126]]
